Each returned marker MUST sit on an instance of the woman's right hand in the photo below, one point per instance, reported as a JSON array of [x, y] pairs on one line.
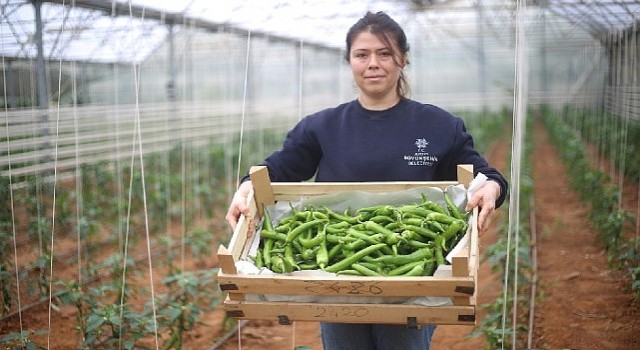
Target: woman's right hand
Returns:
[[239, 205]]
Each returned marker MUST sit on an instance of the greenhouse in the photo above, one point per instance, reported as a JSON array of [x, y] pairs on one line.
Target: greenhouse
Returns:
[[128, 126]]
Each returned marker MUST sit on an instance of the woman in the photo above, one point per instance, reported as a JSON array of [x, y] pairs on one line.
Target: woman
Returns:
[[380, 136]]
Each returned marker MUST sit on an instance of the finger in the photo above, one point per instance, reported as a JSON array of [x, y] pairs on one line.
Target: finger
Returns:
[[232, 218], [484, 218], [473, 201]]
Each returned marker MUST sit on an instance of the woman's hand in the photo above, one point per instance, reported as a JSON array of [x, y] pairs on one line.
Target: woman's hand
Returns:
[[239, 205], [485, 198]]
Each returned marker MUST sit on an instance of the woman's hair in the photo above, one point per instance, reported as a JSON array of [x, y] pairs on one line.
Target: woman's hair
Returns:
[[389, 32]]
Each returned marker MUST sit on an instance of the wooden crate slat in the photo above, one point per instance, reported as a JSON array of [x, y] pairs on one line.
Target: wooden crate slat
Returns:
[[352, 313], [357, 286]]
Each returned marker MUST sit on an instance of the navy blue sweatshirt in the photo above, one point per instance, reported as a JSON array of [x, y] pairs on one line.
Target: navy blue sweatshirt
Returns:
[[410, 141]]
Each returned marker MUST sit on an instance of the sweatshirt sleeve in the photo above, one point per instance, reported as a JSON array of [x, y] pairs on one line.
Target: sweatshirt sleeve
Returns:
[[298, 158], [463, 152]]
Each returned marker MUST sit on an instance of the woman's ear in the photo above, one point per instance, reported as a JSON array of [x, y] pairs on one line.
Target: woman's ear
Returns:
[[404, 60]]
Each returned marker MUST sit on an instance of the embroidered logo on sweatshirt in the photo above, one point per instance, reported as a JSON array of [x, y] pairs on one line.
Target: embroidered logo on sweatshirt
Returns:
[[421, 157]]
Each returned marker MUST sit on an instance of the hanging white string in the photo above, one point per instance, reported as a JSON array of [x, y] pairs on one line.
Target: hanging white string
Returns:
[[519, 124], [183, 226], [13, 217], [138, 133], [79, 194], [55, 181], [125, 247], [242, 118], [244, 106]]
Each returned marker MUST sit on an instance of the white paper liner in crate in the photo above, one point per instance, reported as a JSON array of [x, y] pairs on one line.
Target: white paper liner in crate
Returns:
[[353, 200]]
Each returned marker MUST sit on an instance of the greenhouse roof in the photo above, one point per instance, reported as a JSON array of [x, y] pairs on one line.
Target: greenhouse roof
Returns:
[[128, 31]]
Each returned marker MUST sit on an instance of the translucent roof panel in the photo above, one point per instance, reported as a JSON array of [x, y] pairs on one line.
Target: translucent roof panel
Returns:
[[76, 34], [600, 18], [125, 31]]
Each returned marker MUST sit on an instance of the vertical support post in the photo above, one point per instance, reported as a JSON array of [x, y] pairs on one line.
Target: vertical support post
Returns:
[[171, 83], [41, 73], [10, 86], [41, 79], [482, 62]]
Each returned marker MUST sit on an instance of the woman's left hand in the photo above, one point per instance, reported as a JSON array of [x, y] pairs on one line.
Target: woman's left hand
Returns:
[[485, 198]]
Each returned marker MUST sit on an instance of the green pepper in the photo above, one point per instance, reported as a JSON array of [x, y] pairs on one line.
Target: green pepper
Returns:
[[337, 228], [322, 256], [420, 254], [312, 242], [430, 205], [266, 252], [337, 239], [417, 270], [257, 260], [382, 219], [364, 270], [422, 231], [303, 227], [277, 264], [415, 210], [454, 228], [333, 252], [309, 253], [289, 259], [308, 266], [417, 244], [439, 251], [270, 233], [266, 219], [347, 262], [340, 217], [402, 269], [349, 272], [441, 218], [453, 209], [391, 237]]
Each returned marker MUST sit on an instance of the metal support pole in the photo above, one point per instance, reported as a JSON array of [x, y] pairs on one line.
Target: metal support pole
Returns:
[[171, 84], [41, 72], [41, 80], [482, 62]]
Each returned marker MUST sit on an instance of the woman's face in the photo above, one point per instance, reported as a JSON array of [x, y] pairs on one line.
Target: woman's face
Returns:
[[373, 67]]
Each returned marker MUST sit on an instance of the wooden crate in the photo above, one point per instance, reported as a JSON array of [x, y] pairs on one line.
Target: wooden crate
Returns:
[[460, 286]]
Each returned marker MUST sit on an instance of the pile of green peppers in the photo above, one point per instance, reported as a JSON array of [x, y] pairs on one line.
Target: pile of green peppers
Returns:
[[381, 240]]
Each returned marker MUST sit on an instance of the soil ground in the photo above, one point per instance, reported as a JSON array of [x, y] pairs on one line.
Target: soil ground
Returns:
[[582, 303]]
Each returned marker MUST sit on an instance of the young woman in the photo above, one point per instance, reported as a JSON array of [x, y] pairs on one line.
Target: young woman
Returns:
[[380, 136]]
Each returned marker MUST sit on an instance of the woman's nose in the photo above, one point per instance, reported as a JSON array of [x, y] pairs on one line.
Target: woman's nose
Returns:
[[373, 61]]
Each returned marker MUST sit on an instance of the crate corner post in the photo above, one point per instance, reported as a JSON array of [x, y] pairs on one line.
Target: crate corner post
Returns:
[[465, 174], [262, 190]]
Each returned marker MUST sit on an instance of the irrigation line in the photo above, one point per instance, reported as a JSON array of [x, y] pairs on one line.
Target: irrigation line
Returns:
[[534, 267]]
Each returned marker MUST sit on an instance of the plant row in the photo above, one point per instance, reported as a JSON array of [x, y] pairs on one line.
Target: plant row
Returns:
[[596, 188]]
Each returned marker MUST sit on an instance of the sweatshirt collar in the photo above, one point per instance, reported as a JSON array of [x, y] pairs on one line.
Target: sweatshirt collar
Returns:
[[379, 115]]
